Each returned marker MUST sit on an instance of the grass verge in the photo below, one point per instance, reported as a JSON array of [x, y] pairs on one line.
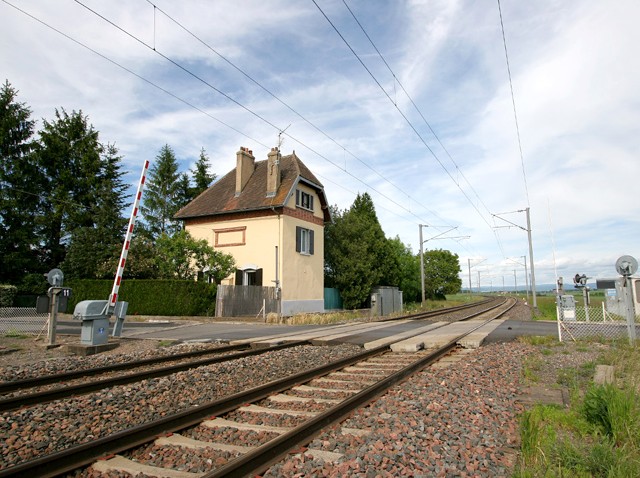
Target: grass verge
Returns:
[[599, 434]]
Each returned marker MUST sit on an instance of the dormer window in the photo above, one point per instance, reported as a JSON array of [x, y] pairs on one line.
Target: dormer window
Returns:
[[304, 200]]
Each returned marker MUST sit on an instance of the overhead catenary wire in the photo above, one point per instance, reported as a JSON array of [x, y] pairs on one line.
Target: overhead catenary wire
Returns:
[[407, 120], [513, 102], [239, 104], [397, 80], [164, 90]]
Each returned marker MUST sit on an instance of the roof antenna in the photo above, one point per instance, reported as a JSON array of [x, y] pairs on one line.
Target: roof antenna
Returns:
[[280, 140]]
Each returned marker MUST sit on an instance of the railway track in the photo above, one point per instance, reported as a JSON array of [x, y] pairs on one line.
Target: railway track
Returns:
[[25, 392], [25, 398], [352, 382]]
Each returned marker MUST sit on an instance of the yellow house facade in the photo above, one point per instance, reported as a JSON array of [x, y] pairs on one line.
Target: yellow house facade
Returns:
[[270, 216]]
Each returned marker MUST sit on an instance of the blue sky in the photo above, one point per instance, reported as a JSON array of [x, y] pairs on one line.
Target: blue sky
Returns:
[[575, 69]]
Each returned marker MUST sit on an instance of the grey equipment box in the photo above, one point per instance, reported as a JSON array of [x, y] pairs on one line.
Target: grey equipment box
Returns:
[[95, 322]]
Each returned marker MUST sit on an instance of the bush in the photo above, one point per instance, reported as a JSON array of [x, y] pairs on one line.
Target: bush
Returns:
[[151, 297], [7, 294]]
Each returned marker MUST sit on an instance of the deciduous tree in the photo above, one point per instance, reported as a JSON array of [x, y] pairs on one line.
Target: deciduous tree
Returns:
[[441, 269], [182, 257]]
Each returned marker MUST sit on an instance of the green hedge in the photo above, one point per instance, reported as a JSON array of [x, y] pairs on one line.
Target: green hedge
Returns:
[[150, 297], [7, 294]]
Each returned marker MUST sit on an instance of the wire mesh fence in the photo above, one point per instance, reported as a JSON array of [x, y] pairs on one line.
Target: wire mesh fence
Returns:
[[22, 320], [582, 322]]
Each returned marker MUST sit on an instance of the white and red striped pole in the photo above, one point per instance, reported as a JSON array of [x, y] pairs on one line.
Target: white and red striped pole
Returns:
[[113, 298]]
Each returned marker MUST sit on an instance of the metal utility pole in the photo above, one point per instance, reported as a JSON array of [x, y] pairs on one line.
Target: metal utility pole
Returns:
[[420, 226], [469, 265], [533, 275], [528, 229]]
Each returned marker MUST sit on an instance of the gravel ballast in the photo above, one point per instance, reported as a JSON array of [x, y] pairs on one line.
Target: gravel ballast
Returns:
[[456, 421], [47, 428], [461, 420]]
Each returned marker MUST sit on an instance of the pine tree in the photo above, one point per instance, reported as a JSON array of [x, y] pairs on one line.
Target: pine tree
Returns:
[[163, 198], [19, 193], [94, 250], [202, 179], [69, 156]]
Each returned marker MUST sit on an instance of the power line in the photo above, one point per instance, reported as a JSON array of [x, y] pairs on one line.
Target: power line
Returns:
[[128, 70], [513, 102], [407, 120], [414, 104], [238, 103], [193, 106], [282, 102], [423, 118]]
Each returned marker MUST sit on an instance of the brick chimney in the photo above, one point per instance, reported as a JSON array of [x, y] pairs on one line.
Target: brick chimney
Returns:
[[245, 164], [273, 172]]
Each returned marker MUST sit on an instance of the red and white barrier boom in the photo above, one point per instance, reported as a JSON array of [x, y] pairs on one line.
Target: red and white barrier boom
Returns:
[[121, 312]]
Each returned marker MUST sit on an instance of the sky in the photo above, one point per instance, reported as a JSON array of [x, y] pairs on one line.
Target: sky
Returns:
[[411, 101]]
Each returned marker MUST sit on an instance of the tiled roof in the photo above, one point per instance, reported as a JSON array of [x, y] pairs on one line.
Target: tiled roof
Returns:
[[221, 197]]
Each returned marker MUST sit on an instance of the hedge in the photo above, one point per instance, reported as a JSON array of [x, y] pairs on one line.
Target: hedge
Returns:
[[150, 297], [7, 294]]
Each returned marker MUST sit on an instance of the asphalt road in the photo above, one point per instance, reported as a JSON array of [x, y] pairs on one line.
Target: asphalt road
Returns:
[[226, 330]]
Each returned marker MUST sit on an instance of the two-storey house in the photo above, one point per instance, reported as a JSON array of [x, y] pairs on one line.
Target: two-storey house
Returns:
[[270, 216]]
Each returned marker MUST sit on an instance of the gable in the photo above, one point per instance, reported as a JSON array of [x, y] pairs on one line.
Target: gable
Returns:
[[221, 197]]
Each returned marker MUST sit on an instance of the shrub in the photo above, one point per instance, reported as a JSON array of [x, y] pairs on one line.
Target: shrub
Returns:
[[7, 294], [151, 297]]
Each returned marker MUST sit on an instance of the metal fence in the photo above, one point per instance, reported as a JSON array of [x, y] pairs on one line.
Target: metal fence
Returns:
[[245, 300], [582, 322], [22, 320]]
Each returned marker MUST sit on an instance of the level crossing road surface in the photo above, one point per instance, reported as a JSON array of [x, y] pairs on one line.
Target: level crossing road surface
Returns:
[[354, 333]]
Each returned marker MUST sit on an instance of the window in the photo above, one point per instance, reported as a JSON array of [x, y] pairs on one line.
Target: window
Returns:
[[248, 277], [304, 200], [304, 240]]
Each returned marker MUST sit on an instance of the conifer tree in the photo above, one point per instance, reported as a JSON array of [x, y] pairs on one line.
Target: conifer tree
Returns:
[[19, 193], [164, 194]]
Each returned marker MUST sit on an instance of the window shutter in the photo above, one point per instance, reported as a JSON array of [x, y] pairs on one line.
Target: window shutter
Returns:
[[297, 197], [311, 241], [298, 234], [311, 202], [258, 277], [239, 275]]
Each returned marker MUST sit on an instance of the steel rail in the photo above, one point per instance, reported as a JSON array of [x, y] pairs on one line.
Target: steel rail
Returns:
[[75, 457], [257, 461], [57, 393], [437, 312], [10, 386], [81, 455]]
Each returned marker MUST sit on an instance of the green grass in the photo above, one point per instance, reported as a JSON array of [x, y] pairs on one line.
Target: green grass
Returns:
[[14, 334], [599, 435]]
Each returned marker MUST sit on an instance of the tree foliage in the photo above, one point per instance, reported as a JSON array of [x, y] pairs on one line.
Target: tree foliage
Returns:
[[62, 197], [441, 269], [68, 156], [356, 252], [182, 257], [165, 194], [19, 194], [202, 178], [406, 271], [94, 250]]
